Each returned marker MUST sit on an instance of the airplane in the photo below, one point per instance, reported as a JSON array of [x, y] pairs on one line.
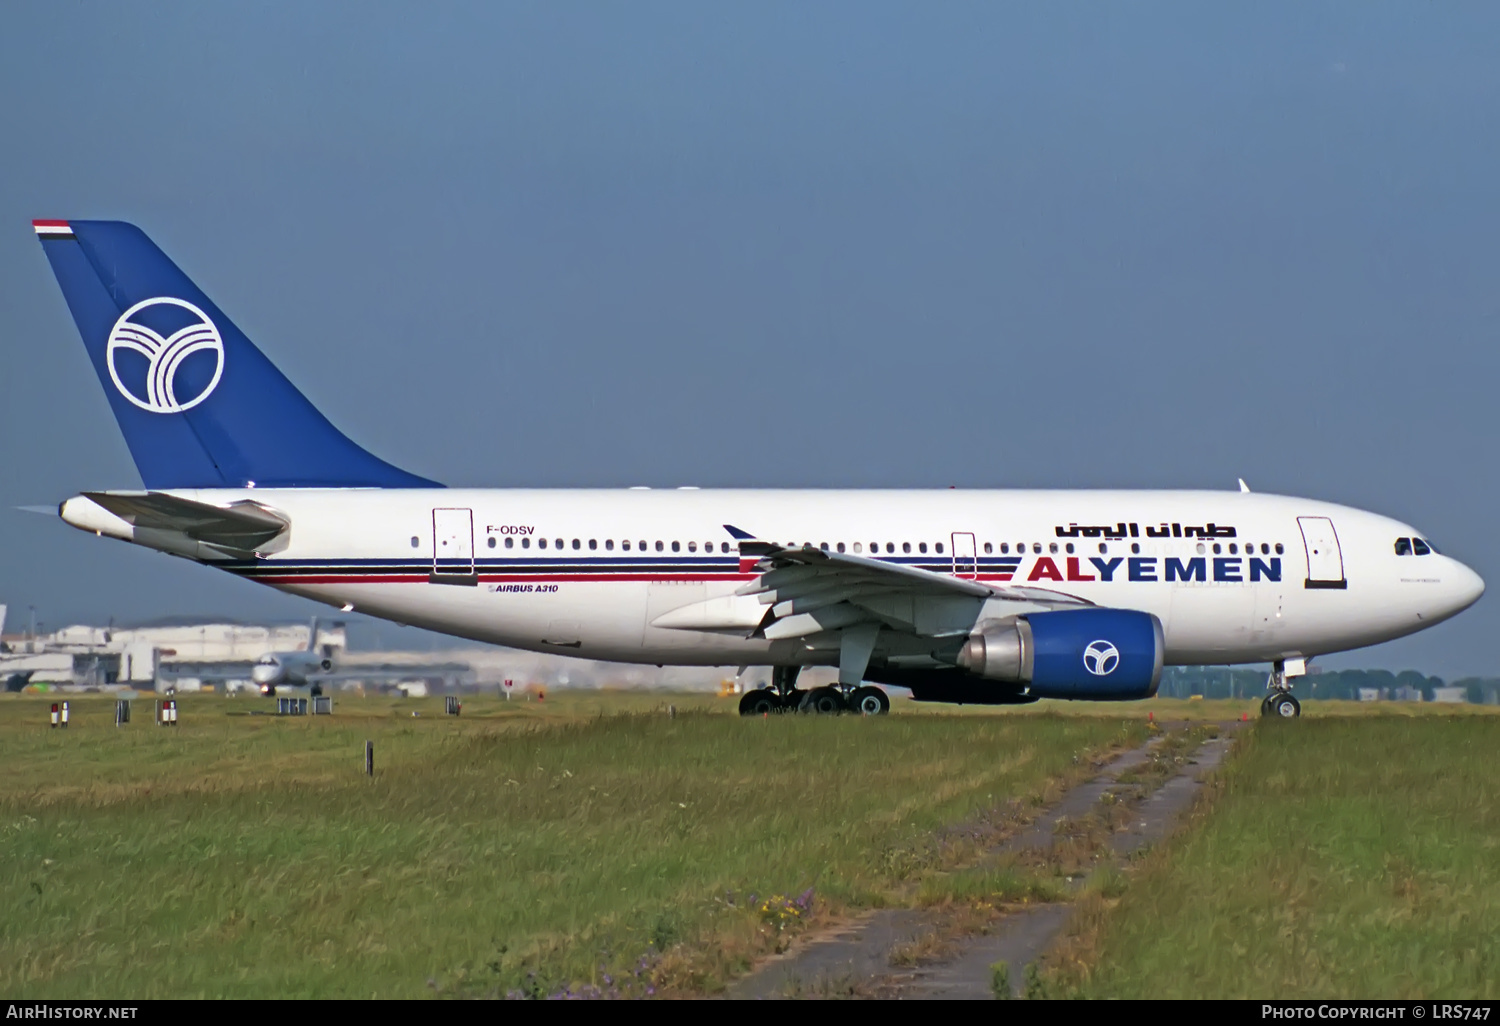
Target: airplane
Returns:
[[306, 669], [968, 596]]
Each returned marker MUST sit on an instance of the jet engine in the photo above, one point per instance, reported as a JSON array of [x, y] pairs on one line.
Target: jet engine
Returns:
[[1071, 653]]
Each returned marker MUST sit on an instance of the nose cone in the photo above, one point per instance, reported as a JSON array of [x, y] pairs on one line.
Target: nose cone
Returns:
[[1457, 590], [265, 673], [1463, 585]]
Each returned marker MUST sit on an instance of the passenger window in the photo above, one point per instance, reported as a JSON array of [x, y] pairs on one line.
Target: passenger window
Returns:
[[891, 547], [1036, 548], [1234, 549], [1279, 549], [609, 545], [1004, 548], [840, 546], [1103, 548], [593, 544], [1265, 550], [541, 543], [525, 543], [1135, 548], [676, 546], [492, 541], [858, 547], [692, 546], [1217, 548], [659, 546], [921, 546], [1070, 548], [1403, 546], [414, 541], [938, 548], [1200, 548], [510, 543], [723, 546], [906, 546], [1419, 547], [643, 546], [576, 544], [1052, 548], [559, 543], [988, 548], [823, 546]]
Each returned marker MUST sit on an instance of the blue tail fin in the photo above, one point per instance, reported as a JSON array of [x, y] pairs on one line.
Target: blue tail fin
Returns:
[[199, 405]]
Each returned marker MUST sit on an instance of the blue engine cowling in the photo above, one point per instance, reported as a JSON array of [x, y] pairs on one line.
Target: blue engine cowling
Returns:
[[1071, 653], [1096, 653]]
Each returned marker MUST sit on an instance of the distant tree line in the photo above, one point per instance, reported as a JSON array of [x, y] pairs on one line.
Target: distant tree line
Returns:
[[1408, 685]]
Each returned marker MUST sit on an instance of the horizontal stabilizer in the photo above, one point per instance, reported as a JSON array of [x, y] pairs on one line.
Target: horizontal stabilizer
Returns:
[[242, 527]]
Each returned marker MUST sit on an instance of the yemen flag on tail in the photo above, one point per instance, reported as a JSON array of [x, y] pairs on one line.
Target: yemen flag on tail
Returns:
[[53, 229]]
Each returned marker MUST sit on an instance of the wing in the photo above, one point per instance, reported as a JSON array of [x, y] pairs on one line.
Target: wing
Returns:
[[241, 528], [847, 601]]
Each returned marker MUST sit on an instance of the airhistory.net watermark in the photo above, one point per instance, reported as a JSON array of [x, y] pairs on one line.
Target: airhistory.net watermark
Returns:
[[43, 1010]]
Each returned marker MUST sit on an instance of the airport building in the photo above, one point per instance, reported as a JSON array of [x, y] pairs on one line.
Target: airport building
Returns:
[[143, 656], [218, 656]]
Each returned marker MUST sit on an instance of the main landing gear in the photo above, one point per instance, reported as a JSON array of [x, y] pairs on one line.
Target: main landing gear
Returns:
[[1280, 701], [783, 696]]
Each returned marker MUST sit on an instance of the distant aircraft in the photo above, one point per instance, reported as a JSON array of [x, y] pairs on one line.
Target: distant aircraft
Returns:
[[960, 596], [310, 667]]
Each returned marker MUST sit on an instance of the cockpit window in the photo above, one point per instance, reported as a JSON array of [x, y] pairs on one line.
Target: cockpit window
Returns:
[[1403, 546], [1419, 547]]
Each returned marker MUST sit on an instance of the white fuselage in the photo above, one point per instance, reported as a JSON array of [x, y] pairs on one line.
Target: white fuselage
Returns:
[[650, 576]]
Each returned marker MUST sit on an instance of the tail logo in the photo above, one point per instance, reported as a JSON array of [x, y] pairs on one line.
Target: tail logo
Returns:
[[164, 356]]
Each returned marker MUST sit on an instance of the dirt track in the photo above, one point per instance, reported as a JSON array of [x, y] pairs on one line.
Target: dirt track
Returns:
[[856, 958]]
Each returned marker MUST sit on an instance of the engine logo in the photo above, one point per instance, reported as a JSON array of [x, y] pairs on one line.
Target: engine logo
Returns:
[[1101, 658], [164, 356]]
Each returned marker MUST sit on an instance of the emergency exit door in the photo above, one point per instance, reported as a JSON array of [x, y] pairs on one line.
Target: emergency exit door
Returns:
[[965, 556], [453, 547], [1325, 561]]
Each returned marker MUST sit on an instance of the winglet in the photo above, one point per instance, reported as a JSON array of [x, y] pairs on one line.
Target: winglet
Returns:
[[1244, 487]]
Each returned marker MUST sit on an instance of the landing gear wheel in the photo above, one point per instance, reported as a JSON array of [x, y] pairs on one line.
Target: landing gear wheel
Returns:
[[868, 701], [823, 701], [760, 702], [1265, 704], [1283, 705]]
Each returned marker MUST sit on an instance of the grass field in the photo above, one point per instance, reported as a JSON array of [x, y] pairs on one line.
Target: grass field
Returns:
[[526, 846], [1337, 857]]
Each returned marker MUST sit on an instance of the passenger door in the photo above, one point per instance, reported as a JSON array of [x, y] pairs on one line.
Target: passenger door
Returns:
[[1325, 561], [453, 547]]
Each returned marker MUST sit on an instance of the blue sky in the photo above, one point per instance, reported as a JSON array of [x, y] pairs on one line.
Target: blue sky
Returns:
[[1061, 245]]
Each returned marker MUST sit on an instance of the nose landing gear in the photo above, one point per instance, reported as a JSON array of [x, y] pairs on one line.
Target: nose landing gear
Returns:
[[1279, 702]]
